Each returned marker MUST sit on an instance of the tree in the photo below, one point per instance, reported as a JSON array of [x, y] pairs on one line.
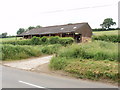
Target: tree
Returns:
[[107, 23], [21, 30], [38, 26], [31, 27], [3, 35]]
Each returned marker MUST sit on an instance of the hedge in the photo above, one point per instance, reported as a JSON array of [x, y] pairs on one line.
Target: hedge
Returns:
[[41, 41], [109, 38]]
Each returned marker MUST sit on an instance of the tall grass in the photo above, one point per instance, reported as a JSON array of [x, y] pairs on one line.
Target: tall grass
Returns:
[[93, 60], [97, 50], [17, 52], [11, 52]]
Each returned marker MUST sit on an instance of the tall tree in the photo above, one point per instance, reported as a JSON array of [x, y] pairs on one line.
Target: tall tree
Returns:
[[107, 23], [21, 30]]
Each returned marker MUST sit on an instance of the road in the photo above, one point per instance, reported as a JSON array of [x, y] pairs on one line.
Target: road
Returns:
[[15, 78]]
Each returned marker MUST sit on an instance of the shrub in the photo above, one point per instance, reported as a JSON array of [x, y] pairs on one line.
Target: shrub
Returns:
[[66, 40], [54, 40], [44, 40], [35, 41], [39, 41], [14, 52], [50, 49]]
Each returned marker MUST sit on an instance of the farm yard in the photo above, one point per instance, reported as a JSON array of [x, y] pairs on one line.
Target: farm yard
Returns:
[[95, 60]]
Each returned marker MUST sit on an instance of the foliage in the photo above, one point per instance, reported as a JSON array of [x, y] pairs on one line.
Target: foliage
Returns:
[[44, 40], [50, 49], [35, 41], [97, 50], [66, 40], [107, 23], [21, 30], [95, 60], [41, 41], [3, 35], [18, 42], [54, 40], [17, 52], [30, 27], [108, 38], [11, 52]]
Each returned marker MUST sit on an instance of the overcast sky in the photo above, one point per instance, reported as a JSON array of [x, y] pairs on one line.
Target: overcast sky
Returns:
[[15, 14]]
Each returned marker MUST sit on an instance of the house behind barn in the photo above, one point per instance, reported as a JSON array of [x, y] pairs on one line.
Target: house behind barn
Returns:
[[81, 32]]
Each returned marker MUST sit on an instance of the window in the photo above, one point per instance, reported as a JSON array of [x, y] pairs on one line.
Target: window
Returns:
[[62, 28], [74, 27]]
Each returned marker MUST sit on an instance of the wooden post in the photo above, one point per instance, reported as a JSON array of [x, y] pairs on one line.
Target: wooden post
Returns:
[[61, 35], [15, 37]]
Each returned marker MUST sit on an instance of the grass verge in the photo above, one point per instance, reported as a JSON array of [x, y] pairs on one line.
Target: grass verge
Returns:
[[95, 60]]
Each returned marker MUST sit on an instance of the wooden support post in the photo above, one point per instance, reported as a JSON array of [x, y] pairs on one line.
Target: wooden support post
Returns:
[[61, 35]]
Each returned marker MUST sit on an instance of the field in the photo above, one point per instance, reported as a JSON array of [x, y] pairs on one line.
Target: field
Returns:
[[113, 32], [9, 39]]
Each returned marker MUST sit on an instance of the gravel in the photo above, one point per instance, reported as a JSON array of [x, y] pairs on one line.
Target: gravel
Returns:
[[30, 63]]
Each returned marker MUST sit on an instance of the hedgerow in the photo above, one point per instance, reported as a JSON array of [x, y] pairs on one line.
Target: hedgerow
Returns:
[[42, 41], [108, 38]]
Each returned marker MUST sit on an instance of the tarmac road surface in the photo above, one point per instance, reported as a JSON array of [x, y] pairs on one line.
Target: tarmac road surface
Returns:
[[15, 78]]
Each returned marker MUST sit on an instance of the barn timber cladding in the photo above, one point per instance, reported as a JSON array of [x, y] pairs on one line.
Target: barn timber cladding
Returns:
[[79, 31]]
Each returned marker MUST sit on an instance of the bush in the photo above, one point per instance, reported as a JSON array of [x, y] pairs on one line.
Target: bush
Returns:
[[54, 40], [108, 38], [35, 41], [12, 52], [50, 49], [44, 40], [66, 40]]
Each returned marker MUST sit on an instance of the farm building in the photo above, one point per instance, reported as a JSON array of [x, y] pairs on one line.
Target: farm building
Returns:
[[81, 32]]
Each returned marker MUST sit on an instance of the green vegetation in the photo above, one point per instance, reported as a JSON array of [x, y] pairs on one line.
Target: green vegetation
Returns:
[[11, 52], [108, 38], [107, 23], [87, 69], [97, 50], [94, 60], [41, 41], [112, 32], [17, 52], [9, 39]]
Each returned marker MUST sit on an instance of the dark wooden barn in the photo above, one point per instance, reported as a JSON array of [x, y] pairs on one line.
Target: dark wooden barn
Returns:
[[81, 32]]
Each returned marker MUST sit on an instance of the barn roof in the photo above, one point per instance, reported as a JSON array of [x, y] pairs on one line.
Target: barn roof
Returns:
[[54, 29]]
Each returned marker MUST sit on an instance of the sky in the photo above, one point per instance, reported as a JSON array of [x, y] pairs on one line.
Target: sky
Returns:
[[17, 14]]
